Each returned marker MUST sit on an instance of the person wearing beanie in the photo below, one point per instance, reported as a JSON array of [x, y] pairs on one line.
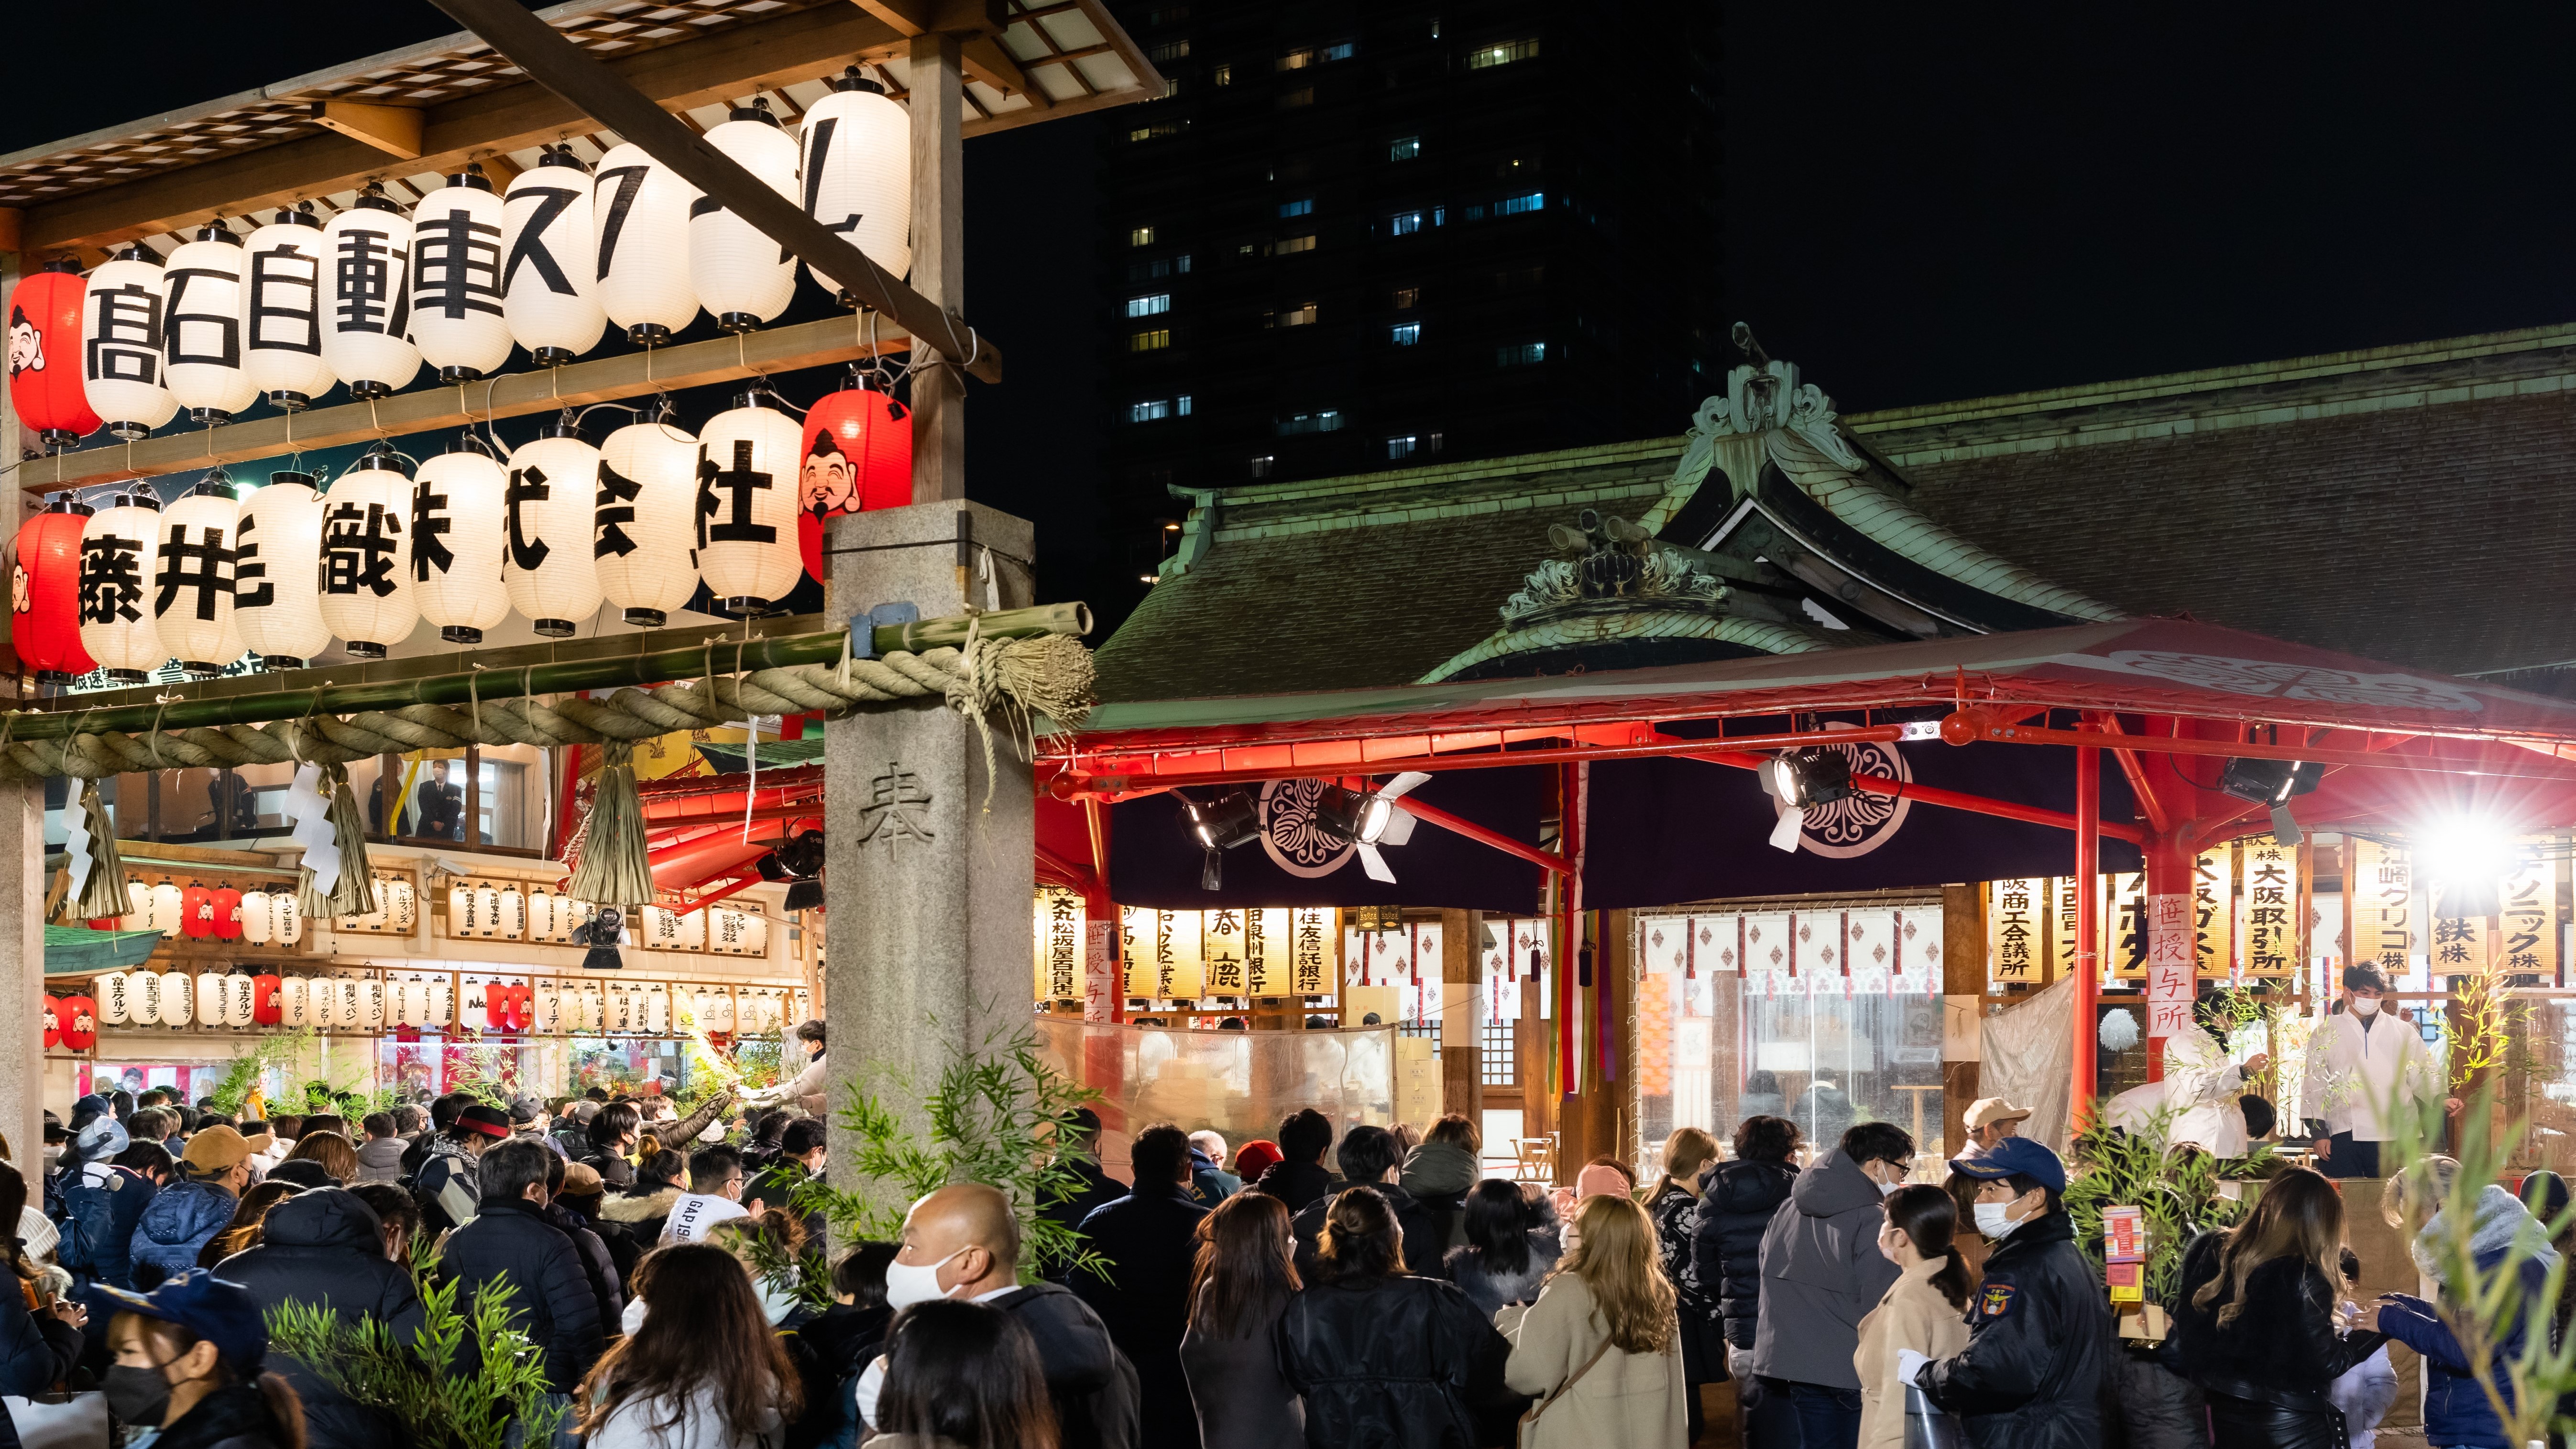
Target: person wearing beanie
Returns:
[[1255, 1158], [446, 1182]]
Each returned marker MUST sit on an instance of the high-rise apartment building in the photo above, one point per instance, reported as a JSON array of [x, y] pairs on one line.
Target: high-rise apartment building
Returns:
[[1360, 236]]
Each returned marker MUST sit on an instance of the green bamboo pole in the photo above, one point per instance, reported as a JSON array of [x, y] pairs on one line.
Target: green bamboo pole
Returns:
[[661, 667]]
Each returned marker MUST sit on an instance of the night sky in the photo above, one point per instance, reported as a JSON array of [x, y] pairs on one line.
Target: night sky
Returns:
[[1920, 204]]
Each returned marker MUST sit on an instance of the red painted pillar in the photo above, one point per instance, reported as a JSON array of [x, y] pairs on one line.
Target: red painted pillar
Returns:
[[2088, 910], [2172, 970]]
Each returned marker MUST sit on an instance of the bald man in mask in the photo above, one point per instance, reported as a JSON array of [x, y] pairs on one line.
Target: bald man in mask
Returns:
[[963, 1242]]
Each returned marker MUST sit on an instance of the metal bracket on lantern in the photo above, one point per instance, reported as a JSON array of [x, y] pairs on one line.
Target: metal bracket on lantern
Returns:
[[863, 627]]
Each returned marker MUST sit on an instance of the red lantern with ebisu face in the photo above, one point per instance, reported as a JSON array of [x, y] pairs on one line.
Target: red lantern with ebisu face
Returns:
[[857, 456], [44, 355], [44, 593]]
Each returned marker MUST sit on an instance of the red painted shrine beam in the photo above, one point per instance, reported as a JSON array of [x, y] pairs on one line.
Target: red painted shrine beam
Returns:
[[1460, 825], [1974, 725], [1953, 799]]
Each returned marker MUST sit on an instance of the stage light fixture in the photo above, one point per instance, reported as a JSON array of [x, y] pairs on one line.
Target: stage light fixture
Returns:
[[1801, 780], [1231, 819], [1369, 820], [2272, 783]]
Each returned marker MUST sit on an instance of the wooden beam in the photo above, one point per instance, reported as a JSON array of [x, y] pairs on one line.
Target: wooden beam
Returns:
[[564, 68], [938, 263], [11, 228], [517, 394], [394, 130], [985, 60], [909, 18]]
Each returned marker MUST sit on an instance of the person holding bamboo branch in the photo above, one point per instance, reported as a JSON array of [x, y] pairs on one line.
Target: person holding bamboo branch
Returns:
[[2474, 1336]]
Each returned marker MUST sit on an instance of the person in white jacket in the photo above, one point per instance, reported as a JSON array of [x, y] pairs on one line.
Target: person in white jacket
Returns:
[[703, 1371], [807, 1088], [2200, 1088], [2361, 1061]]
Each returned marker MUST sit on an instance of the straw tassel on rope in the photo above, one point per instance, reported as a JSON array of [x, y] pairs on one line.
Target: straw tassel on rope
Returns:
[[102, 893], [616, 867]]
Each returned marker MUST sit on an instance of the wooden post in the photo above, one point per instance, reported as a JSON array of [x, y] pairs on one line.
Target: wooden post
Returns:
[[938, 262], [1462, 1075], [1963, 1007]]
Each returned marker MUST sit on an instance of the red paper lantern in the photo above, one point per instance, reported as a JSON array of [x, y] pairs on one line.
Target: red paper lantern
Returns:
[[80, 1023], [496, 1005], [44, 355], [53, 1023], [263, 992], [227, 913], [522, 1007], [197, 912], [44, 593], [857, 454]]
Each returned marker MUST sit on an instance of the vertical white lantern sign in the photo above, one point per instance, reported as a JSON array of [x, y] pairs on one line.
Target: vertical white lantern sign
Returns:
[[549, 267], [646, 544], [367, 556], [740, 273], [193, 579], [282, 301], [456, 279], [366, 332], [640, 215], [548, 567], [747, 507], [457, 540], [201, 305], [855, 155], [277, 562], [118, 549], [121, 340]]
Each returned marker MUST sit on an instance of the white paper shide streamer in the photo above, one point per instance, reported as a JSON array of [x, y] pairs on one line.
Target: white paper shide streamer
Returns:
[[640, 215], [740, 273], [549, 266]]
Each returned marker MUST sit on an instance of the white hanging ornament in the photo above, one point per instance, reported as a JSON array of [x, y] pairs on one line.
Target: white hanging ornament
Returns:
[[473, 1008], [119, 547], [457, 539], [241, 998], [855, 158], [510, 917], [145, 992], [755, 934], [549, 1010], [169, 909], [410, 1001], [550, 260], [640, 215], [440, 1009], [115, 1001], [178, 1004], [548, 567], [258, 920], [740, 273], [718, 1005], [283, 301], [646, 546], [460, 909], [588, 1016], [367, 554], [292, 999], [371, 1005], [366, 255], [138, 900], [401, 902], [543, 912], [456, 279], [193, 579], [347, 1010], [693, 930], [746, 510], [621, 1019], [201, 339], [121, 341], [287, 915], [487, 909], [277, 567], [208, 991], [657, 1011]]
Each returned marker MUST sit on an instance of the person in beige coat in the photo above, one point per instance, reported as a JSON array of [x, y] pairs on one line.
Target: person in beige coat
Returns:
[[1600, 1350], [1924, 1310]]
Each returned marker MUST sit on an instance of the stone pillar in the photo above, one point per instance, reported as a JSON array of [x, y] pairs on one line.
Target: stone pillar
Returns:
[[927, 886]]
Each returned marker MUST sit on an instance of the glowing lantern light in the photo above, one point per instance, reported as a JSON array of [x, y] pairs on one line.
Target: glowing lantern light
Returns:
[[51, 1013], [44, 592], [442, 1002], [456, 540], [210, 997], [367, 262], [741, 275], [45, 355], [146, 997], [282, 306], [657, 1011], [286, 917], [693, 930], [549, 271], [411, 1000], [178, 1003], [80, 1023], [138, 897], [193, 578], [855, 153], [550, 575], [228, 907], [456, 279], [367, 554], [196, 912], [201, 322], [115, 1000], [857, 455], [277, 562], [256, 921], [117, 556], [371, 1004], [121, 344], [640, 212], [646, 545], [747, 507], [241, 998], [269, 1000], [549, 1010], [512, 916]]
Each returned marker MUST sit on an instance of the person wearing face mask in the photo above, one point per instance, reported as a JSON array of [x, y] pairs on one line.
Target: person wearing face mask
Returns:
[[2039, 1328], [963, 1242], [1821, 1271], [799, 1160], [1920, 1311], [190, 1360], [2360, 1060]]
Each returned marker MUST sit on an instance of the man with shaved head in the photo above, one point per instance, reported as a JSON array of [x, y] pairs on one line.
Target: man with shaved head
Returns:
[[963, 1242]]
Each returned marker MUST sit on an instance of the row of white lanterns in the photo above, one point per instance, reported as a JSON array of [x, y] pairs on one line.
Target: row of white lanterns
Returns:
[[378, 293], [213, 998]]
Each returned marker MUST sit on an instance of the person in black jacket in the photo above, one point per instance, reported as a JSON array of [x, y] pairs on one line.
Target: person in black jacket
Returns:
[[37, 1345], [1298, 1178], [2255, 1319], [191, 1360], [1081, 1144], [1369, 1157], [510, 1244], [2038, 1326], [326, 1248], [1149, 1238], [607, 1284], [611, 1135], [1508, 1254], [1736, 1202], [442, 1115], [800, 1157]]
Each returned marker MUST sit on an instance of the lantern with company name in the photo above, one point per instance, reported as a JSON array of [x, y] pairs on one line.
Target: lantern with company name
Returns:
[[740, 273], [121, 344], [366, 263], [44, 592], [282, 300], [118, 548], [855, 154], [549, 266], [193, 578], [639, 211], [456, 279], [45, 355], [646, 541], [456, 544], [201, 342], [367, 555], [548, 567], [746, 507], [277, 561]]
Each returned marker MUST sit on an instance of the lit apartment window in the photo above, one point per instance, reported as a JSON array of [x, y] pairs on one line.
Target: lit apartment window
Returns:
[[1327, 421], [1261, 465], [1169, 50], [1223, 75], [1300, 316], [1180, 264], [1147, 412], [1404, 223], [1400, 447], [1158, 131], [1181, 406], [1404, 148], [1140, 236], [1302, 206], [1404, 297], [1155, 305], [1334, 52], [1404, 334], [1154, 341], [1302, 96], [1503, 54], [1295, 60], [1514, 205], [1304, 243], [1520, 354]]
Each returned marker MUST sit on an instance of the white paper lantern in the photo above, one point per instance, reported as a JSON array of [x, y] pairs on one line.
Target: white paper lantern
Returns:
[[119, 550], [473, 1008], [410, 1000], [115, 999], [201, 339], [621, 1018], [460, 909], [146, 994], [178, 1003], [441, 1007], [548, 1007], [747, 506], [457, 539], [647, 520], [286, 915], [661, 930], [169, 914], [550, 261], [277, 567], [241, 998], [367, 555], [545, 909], [693, 930], [401, 902], [371, 1005], [719, 1010], [282, 306], [366, 254], [456, 279], [292, 1000], [855, 159], [121, 340], [193, 579], [640, 214], [740, 273], [548, 568], [138, 900], [208, 991], [346, 1007], [587, 1016], [510, 917], [487, 909], [657, 1011]]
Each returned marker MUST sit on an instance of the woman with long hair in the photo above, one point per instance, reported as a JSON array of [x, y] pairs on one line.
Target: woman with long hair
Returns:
[[1922, 1310], [1383, 1358], [1504, 1260], [2257, 1324], [39, 1342], [1674, 1205], [963, 1376], [191, 1360], [1601, 1348], [1245, 1276], [243, 1231], [704, 1371], [333, 1153]]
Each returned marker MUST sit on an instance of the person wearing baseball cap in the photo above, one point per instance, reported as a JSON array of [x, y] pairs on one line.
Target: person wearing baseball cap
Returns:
[[183, 1217], [2038, 1325], [191, 1360], [1990, 1120], [447, 1179]]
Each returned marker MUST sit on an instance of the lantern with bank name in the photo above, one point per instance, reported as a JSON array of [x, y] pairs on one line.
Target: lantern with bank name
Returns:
[[645, 547], [45, 355], [45, 592], [855, 154], [201, 307], [121, 344], [282, 308], [457, 542], [193, 578], [548, 567], [456, 279], [549, 269], [277, 562], [366, 254], [639, 212], [747, 507], [367, 554], [739, 272], [117, 557]]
